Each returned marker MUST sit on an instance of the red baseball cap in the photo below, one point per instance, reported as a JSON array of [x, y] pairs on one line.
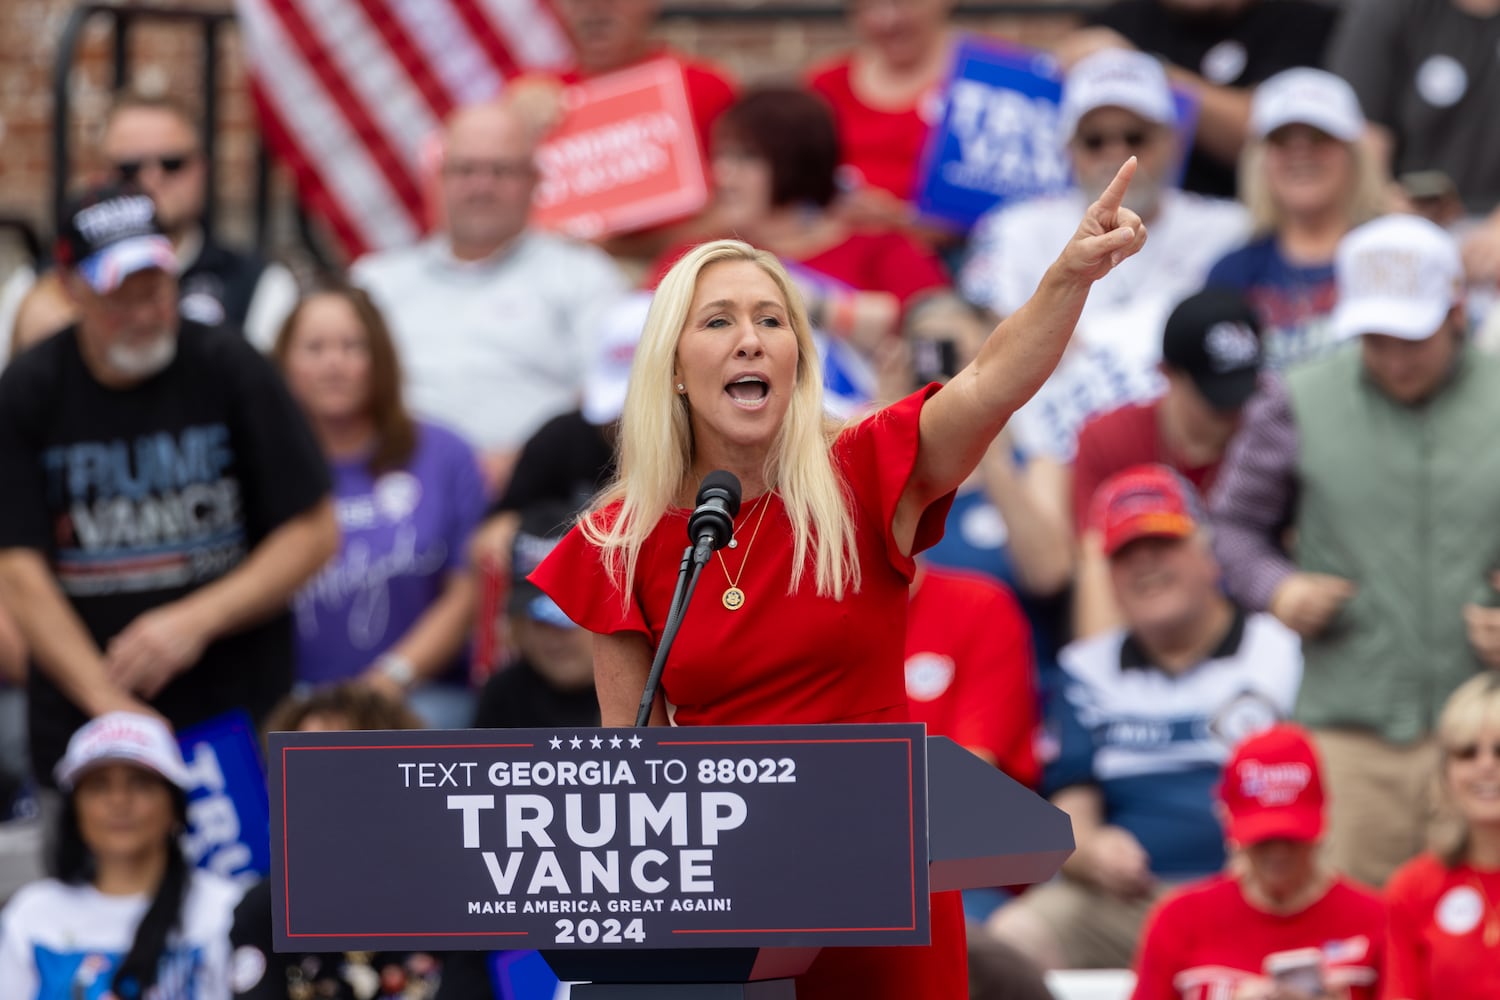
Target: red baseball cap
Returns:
[[1146, 501], [1273, 789]]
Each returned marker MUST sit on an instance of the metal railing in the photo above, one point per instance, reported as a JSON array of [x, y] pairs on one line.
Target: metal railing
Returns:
[[211, 24]]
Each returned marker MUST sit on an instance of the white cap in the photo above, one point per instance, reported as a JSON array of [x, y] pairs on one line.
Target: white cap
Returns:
[[1305, 96], [1398, 275], [1116, 78], [608, 374], [126, 738]]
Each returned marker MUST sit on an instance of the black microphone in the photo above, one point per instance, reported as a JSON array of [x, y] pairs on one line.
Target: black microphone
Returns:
[[712, 523]]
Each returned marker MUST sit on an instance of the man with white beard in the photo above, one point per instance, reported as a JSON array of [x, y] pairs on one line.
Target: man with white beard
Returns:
[[163, 496], [1115, 104]]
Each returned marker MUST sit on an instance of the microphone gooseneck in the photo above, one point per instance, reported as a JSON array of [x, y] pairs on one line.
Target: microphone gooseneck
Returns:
[[710, 527]]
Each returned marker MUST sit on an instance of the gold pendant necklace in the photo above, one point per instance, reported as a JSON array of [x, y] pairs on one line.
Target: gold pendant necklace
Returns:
[[734, 597]]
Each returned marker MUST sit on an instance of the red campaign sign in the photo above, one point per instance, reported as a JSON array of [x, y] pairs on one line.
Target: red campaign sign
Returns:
[[625, 156]]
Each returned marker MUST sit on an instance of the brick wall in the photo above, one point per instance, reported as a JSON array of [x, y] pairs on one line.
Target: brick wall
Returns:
[[168, 55]]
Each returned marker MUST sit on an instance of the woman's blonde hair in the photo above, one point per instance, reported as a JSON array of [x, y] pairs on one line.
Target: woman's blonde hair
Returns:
[[656, 440], [1364, 200], [1472, 707]]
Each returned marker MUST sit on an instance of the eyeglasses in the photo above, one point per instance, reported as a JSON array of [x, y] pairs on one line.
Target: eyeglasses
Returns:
[[500, 170], [1470, 751], [169, 164], [1132, 139]]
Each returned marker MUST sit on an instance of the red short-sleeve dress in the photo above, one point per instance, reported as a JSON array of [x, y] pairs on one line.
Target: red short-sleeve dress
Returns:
[[791, 658]]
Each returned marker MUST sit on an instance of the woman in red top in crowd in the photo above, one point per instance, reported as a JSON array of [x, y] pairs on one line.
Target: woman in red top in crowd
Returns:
[[775, 155], [1279, 925], [809, 628], [1444, 907], [886, 94]]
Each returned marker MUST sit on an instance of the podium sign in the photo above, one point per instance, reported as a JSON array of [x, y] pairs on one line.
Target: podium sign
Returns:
[[600, 839]]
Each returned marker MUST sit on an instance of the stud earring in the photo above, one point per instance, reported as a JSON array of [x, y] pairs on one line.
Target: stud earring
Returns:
[[681, 387]]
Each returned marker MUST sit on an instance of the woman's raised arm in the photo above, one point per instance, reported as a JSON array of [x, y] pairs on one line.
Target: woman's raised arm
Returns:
[[959, 422]]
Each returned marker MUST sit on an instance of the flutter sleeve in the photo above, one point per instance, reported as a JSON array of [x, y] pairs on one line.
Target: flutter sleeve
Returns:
[[574, 576], [877, 456]]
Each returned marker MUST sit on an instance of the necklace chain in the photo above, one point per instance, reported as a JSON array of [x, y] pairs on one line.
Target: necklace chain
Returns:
[[734, 597]]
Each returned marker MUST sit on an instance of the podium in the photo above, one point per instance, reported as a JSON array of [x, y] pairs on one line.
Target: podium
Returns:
[[702, 864]]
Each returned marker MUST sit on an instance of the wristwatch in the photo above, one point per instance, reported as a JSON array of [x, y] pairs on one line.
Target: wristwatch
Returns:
[[398, 668]]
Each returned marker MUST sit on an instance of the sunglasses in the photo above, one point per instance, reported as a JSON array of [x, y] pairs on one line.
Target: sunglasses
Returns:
[[1133, 139], [1470, 751], [129, 170]]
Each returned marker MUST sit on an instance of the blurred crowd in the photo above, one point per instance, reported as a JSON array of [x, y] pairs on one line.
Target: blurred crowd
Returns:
[[1226, 589]]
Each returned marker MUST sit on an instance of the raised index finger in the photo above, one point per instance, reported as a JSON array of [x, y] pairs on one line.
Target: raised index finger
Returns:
[[1114, 195]]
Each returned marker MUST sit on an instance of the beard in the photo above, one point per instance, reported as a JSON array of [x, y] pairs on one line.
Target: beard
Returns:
[[143, 361]]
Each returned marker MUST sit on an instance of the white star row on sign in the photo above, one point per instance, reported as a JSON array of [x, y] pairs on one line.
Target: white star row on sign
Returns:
[[596, 743]]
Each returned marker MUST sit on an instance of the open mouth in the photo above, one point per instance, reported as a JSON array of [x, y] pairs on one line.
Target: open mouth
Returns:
[[749, 391]]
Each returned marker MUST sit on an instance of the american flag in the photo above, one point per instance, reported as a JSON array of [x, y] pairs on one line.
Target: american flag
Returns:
[[351, 95]]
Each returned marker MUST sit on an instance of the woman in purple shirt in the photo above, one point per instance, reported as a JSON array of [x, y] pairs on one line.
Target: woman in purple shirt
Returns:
[[395, 605]]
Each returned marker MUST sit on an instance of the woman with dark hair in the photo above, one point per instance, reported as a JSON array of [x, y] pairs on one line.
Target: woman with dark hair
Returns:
[[775, 157], [1444, 906], [393, 607], [346, 706], [127, 918]]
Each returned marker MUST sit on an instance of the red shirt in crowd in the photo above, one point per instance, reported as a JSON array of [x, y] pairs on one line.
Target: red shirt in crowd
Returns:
[[883, 144], [791, 658], [1439, 917], [1124, 437], [1203, 940], [969, 669], [882, 262]]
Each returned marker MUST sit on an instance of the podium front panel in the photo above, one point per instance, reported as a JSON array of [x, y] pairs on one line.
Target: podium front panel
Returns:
[[711, 837]]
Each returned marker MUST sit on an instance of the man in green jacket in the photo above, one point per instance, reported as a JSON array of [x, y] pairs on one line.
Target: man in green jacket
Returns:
[[1360, 504]]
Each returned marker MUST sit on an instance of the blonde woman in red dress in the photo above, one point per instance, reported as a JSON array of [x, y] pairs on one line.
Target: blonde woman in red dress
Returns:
[[804, 620]]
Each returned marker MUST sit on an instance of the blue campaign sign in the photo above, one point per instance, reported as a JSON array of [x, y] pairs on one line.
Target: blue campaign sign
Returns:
[[997, 141], [700, 838], [228, 811]]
